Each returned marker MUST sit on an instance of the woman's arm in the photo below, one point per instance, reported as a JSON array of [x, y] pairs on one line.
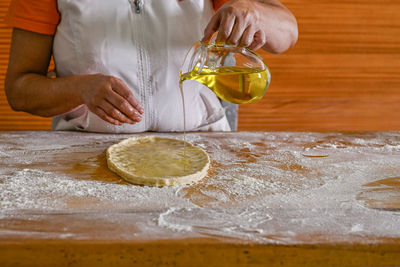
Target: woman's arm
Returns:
[[28, 89], [255, 24]]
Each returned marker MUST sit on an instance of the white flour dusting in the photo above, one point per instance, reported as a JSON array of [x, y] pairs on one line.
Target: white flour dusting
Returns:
[[262, 187], [30, 189]]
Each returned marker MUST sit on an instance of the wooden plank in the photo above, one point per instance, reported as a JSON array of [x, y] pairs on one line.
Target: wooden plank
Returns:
[[193, 253]]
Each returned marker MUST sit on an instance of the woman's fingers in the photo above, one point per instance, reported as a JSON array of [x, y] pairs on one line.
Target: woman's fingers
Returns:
[[103, 115], [115, 113], [259, 40], [236, 33], [247, 37], [225, 28], [122, 105], [120, 88], [211, 28]]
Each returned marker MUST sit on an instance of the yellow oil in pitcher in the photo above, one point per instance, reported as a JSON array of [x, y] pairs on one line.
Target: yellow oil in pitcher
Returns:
[[238, 85]]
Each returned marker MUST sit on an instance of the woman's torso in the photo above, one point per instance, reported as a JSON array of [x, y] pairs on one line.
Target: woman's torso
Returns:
[[143, 49]]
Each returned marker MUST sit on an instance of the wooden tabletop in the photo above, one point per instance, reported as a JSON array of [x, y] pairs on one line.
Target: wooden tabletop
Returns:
[[276, 198]]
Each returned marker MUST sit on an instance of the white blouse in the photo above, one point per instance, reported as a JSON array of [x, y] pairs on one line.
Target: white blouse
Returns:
[[144, 45]]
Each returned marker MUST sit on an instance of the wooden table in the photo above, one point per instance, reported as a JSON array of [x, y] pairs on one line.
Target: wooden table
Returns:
[[276, 198]]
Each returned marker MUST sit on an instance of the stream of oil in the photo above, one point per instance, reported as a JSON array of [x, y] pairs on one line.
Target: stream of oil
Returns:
[[184, 123]]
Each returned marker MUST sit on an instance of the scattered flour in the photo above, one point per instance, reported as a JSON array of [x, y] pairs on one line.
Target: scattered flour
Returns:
[[262, 187], [31, 189]]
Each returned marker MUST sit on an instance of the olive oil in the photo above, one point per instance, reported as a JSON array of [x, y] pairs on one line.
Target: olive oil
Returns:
[[238, 85]]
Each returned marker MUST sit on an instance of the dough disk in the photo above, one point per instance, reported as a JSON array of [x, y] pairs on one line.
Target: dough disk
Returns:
[[157, 161]]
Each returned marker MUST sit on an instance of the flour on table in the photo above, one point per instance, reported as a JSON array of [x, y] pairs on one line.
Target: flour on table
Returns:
[[261, 187]]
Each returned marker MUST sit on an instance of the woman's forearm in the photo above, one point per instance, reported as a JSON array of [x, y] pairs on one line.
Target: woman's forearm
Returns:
[[43, 96], [279, 25], [28, 89], [106, 96], [26, 85]]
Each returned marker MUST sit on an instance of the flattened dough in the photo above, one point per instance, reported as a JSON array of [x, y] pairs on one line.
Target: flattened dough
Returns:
[[157, 161]]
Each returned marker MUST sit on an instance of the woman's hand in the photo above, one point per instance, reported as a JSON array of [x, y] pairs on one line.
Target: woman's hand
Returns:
[[237, 23], [110, 99], [254, 24]]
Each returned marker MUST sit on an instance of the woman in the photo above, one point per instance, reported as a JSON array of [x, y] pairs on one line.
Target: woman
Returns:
[[117, 62]]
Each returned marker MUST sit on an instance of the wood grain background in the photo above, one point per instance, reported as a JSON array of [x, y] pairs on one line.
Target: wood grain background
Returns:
[[343, 74]]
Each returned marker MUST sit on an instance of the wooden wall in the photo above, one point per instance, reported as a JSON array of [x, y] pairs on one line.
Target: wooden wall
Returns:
[[343, 74]]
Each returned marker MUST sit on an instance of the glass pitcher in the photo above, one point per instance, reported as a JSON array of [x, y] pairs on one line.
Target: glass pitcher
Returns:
[[235, 74]]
